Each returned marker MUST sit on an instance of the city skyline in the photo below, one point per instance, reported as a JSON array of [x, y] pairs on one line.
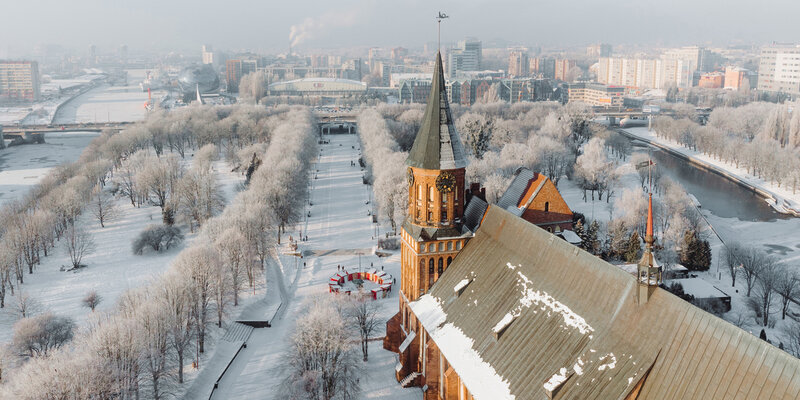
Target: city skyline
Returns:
[[182, 25]]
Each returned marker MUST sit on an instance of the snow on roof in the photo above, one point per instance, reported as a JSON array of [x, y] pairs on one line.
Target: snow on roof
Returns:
[[556, 380], [537, 298], [480, 378], [462, 284], [571, 236], [698, 288]]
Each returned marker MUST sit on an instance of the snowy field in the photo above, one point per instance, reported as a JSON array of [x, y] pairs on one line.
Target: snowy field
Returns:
[[338, 222], [23, 166], [111, 269]]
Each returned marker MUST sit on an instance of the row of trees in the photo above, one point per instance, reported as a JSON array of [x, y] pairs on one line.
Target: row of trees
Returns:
[[385, 164], [763, 138], [141, 347]]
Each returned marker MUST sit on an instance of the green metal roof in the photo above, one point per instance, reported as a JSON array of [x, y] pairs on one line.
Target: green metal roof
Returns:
[[437, 145]]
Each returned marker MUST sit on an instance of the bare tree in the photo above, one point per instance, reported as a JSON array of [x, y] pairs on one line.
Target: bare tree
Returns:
[[78, 243], [787, 287], [363, 314], [104, 208], [26, 306], [766, 281], [39, 335], [92, 299]]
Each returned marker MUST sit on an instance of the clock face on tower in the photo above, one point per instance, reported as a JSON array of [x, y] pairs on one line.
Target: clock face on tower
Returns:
[[446, 182], [410, 176]]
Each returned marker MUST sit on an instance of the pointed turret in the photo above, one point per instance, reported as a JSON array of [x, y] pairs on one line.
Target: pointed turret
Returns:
[[437, 145], [649, 274]]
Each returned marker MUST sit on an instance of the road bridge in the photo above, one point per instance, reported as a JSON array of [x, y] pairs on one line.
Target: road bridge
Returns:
[[77, 127]]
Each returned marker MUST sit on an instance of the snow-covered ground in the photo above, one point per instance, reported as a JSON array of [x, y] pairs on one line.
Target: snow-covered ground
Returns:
[[339, 222], [24, 166], [111, 269]]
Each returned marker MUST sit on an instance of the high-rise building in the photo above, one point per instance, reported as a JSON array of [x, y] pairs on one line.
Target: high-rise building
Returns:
[[19, 80], [562, 69], [738, 78], [319, 61], [518, 63], [779, 69], [543, 66], [399, 54], [599, 50], [468, 56], [207, 54], [630, 72], [233, 74]]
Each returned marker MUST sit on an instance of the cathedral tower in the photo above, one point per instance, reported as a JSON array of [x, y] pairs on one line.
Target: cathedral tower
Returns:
[[433, 234]]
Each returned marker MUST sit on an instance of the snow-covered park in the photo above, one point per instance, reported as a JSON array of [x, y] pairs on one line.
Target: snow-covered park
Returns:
[[339, 228], [112, 267]]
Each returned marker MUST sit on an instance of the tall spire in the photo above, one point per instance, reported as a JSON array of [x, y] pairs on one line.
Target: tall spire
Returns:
[[648, 238], [437, 145]]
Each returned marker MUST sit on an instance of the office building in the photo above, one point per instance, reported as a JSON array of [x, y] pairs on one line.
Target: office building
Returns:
[[468, 56], [19, 81]]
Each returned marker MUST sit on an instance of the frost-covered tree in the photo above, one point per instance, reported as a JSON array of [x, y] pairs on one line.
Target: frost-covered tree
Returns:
[[37, 336], [200, 198], [199, 264], [593, 166], [236, 252], [322, 361], [175, 297], [476, 132]]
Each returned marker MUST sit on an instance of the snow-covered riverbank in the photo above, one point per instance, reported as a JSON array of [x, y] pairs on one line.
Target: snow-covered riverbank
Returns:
[[779, 198]]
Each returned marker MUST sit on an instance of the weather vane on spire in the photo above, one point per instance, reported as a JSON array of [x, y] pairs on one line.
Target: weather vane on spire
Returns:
[[439, 19]]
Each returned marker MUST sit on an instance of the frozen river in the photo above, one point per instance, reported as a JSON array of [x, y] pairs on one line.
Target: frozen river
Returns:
[[736, 213], [23, 166], [107, 103]]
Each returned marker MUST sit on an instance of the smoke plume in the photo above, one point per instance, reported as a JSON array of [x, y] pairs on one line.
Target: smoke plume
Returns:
[[312, 27]]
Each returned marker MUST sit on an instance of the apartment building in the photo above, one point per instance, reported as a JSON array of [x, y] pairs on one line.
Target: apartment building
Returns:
[[779, 69], [19, 81]]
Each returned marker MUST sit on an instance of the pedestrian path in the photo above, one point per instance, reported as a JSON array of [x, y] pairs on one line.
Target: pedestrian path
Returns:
[[340, 233]]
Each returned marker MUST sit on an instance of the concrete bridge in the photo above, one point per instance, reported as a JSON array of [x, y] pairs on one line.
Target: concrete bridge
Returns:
[[82, 127]]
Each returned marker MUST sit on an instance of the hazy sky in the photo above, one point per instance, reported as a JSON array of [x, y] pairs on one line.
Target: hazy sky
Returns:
[[266, 24]]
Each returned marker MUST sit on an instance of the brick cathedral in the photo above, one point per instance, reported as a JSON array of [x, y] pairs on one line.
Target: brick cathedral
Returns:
[[494, 305]]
